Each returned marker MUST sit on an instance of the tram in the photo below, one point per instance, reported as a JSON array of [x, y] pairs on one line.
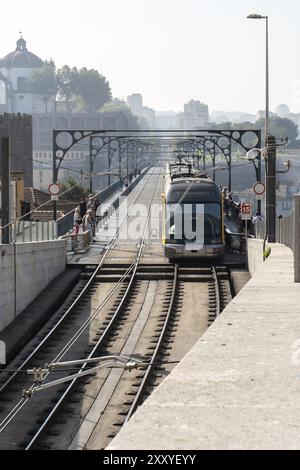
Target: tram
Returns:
[[193, 214]]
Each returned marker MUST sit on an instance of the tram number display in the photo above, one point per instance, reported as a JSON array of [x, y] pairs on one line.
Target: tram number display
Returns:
[[246, 211]]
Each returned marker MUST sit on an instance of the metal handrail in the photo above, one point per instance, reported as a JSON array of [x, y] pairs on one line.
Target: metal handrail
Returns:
[[285, 228], [65, 223]]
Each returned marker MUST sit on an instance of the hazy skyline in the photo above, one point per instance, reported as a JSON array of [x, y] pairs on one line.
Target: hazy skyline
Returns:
[[167, 50]]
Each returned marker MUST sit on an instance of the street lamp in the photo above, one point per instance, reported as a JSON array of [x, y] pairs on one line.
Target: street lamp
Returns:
[[270, 151], [254, 16]]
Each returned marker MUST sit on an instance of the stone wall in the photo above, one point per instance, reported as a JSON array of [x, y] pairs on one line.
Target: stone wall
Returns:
[[19, 129], [37, 264], [255, 254]]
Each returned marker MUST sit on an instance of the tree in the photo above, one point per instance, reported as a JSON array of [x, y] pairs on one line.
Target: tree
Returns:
[[226, 125], [68, 86], [93, 89], [43, 83], [280, 127], [77, 192], [119, 108]]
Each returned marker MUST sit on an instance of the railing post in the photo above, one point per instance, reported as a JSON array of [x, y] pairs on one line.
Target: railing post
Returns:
[[297, 238]]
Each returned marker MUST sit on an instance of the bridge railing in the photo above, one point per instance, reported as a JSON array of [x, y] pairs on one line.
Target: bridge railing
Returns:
[[66, 223], [23, 231], [285, 228], [287, 233]]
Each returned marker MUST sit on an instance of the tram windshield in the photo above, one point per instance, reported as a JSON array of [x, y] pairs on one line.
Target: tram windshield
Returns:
[[187, 222], [188, 195]]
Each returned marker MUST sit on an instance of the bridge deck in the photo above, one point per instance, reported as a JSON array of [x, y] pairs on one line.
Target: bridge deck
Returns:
[[239, 387]]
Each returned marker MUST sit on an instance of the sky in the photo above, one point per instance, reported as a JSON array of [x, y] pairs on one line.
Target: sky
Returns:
[[170, 51]]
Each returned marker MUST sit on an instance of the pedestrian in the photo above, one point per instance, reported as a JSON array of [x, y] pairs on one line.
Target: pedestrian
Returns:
[[97, 206], [91, 203], [88, 223], [82, 206], [78, 220], [257, 218], [255, 223]]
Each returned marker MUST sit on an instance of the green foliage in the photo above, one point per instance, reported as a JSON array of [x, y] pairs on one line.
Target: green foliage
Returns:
[[68, 84], [84, 89], [77, 191], [93, 89], [117, 107], [226, 125], [44, 83], [267, 252], [280, 127]]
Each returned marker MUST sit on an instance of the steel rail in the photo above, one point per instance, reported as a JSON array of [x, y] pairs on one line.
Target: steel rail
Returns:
[[104, 335], [217, 290], [24, 400], [143, 385]]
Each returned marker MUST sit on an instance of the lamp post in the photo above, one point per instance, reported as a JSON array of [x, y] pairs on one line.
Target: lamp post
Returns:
[[254, 16], [270, 150]]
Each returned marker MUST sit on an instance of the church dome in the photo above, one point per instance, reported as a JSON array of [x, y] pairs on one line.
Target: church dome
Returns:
[[21, 57]]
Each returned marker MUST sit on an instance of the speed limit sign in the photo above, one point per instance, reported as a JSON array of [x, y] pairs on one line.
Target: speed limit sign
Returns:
[[54, 190], [246, 211], [259, 189]]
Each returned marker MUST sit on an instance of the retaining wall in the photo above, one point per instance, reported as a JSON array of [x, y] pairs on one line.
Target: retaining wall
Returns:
[[255, 254], [37, 264]]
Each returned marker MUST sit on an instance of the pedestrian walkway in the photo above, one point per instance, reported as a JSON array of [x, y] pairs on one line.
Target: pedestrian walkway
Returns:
[[239, 387]]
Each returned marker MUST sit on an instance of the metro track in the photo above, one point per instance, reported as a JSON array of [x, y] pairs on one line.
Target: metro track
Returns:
[[137, 314]]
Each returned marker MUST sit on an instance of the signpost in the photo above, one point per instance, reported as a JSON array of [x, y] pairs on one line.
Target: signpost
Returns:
[[259, 189], [246, 214], [54, 190]]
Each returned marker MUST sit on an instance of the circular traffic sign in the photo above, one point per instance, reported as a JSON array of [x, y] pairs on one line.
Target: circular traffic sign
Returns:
[[54, 189], [259, 188]]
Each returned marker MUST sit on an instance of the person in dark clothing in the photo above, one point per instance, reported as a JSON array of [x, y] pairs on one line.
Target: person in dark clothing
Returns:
[[82, 207]]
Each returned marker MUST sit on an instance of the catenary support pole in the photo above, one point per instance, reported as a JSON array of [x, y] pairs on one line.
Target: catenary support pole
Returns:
[[271, 190]]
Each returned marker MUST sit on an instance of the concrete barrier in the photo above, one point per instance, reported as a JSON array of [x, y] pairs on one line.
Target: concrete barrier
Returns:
[[297, 239], [25, 270], [238, 388], [255, 254]]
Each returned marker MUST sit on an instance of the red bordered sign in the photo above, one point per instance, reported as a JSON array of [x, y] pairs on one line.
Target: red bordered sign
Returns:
[[54, 189], [246, 211], [259, 189]]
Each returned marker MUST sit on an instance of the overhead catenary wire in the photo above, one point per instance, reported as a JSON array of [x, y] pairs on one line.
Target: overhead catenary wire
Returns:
[[48, 201], [74, 338]]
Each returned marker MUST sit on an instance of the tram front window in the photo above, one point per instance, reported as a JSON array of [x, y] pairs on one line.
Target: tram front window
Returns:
[[184, 220], [212, 223]]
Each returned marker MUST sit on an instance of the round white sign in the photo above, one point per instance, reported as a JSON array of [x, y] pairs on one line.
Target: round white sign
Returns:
[[259, 188], [54, 189]]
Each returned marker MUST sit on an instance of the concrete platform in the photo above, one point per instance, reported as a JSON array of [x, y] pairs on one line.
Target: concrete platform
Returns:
[[239, 387]]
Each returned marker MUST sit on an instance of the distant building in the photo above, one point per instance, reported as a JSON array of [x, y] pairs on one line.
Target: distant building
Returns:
[[167, 120], [231, 116], [282, 110], [135, 103], [195, 115], [16, 69], [145, 114]]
